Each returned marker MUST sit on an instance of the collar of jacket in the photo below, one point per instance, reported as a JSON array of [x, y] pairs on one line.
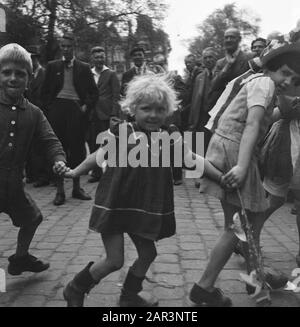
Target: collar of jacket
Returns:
[[21, 103], [71, 63]]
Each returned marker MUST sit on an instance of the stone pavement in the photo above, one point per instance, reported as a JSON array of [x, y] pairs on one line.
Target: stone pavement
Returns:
[[64, 240]]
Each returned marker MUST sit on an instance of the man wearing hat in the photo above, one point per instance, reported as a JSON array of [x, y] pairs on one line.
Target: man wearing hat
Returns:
[[69, 93], [137, 55]]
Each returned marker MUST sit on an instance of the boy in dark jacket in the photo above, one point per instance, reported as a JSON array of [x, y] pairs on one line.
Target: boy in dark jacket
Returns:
[[21, 123]]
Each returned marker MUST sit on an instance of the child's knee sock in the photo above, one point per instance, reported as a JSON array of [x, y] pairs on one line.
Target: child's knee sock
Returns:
[[129, 295], [132, 283], [25, 237]]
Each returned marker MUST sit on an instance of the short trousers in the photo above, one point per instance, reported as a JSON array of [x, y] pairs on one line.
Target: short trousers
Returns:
[[22, 210]]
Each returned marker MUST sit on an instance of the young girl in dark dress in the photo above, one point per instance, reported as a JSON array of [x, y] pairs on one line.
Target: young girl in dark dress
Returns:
[[136, 199]]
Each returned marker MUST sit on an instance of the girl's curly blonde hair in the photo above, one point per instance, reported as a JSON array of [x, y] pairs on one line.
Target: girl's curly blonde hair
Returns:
[[150, 88]]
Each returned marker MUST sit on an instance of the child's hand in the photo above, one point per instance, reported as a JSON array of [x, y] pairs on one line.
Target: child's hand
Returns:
[[235, 177], [69, 173], [60, 168], [225, 185]]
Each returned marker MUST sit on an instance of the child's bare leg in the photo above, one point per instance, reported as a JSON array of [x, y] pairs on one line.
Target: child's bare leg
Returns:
[[204, 292], [91, 275], [133, 282], [222, 250], [114, 260]]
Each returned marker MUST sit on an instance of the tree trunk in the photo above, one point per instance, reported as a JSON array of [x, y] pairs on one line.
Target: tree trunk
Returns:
[[52, 6]]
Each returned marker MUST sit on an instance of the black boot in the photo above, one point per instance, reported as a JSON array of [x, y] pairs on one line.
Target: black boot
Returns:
[[129, 294], [81, 284], [17, 265]]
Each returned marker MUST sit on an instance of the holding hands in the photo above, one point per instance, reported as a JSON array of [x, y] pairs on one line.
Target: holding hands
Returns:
[[235, 177], [69, 173], [61, 169]]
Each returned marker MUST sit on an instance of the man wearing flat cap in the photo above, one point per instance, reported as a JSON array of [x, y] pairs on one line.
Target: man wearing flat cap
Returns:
[[69, 92], [137, 55]]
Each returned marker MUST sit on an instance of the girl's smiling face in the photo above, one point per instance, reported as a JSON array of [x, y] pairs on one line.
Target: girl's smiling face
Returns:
[[283, 77], [150, 116]]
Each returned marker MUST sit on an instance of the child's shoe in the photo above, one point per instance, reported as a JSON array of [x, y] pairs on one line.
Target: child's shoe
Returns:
[[135, 300], [275, 280], [76, 289], [17, 265], [129, 294], [216, 298]]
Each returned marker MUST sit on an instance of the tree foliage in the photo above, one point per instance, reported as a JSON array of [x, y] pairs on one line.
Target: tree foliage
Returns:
[[92, 21], [211, 31]]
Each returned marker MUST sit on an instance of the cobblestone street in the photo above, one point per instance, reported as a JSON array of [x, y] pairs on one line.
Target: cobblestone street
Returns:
[[65, 241]]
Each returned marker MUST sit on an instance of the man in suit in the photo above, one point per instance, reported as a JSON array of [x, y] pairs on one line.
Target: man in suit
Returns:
[[137, 55], [33, 93], [192, 71], [69, 93], [107, 104], [234, 63], [199, 115]]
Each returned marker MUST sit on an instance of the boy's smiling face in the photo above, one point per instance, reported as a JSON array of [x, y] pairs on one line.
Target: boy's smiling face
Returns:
[[283, 78], [14, 79]]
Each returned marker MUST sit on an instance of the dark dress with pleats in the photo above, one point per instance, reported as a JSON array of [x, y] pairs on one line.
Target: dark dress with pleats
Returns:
[[137, 200]]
